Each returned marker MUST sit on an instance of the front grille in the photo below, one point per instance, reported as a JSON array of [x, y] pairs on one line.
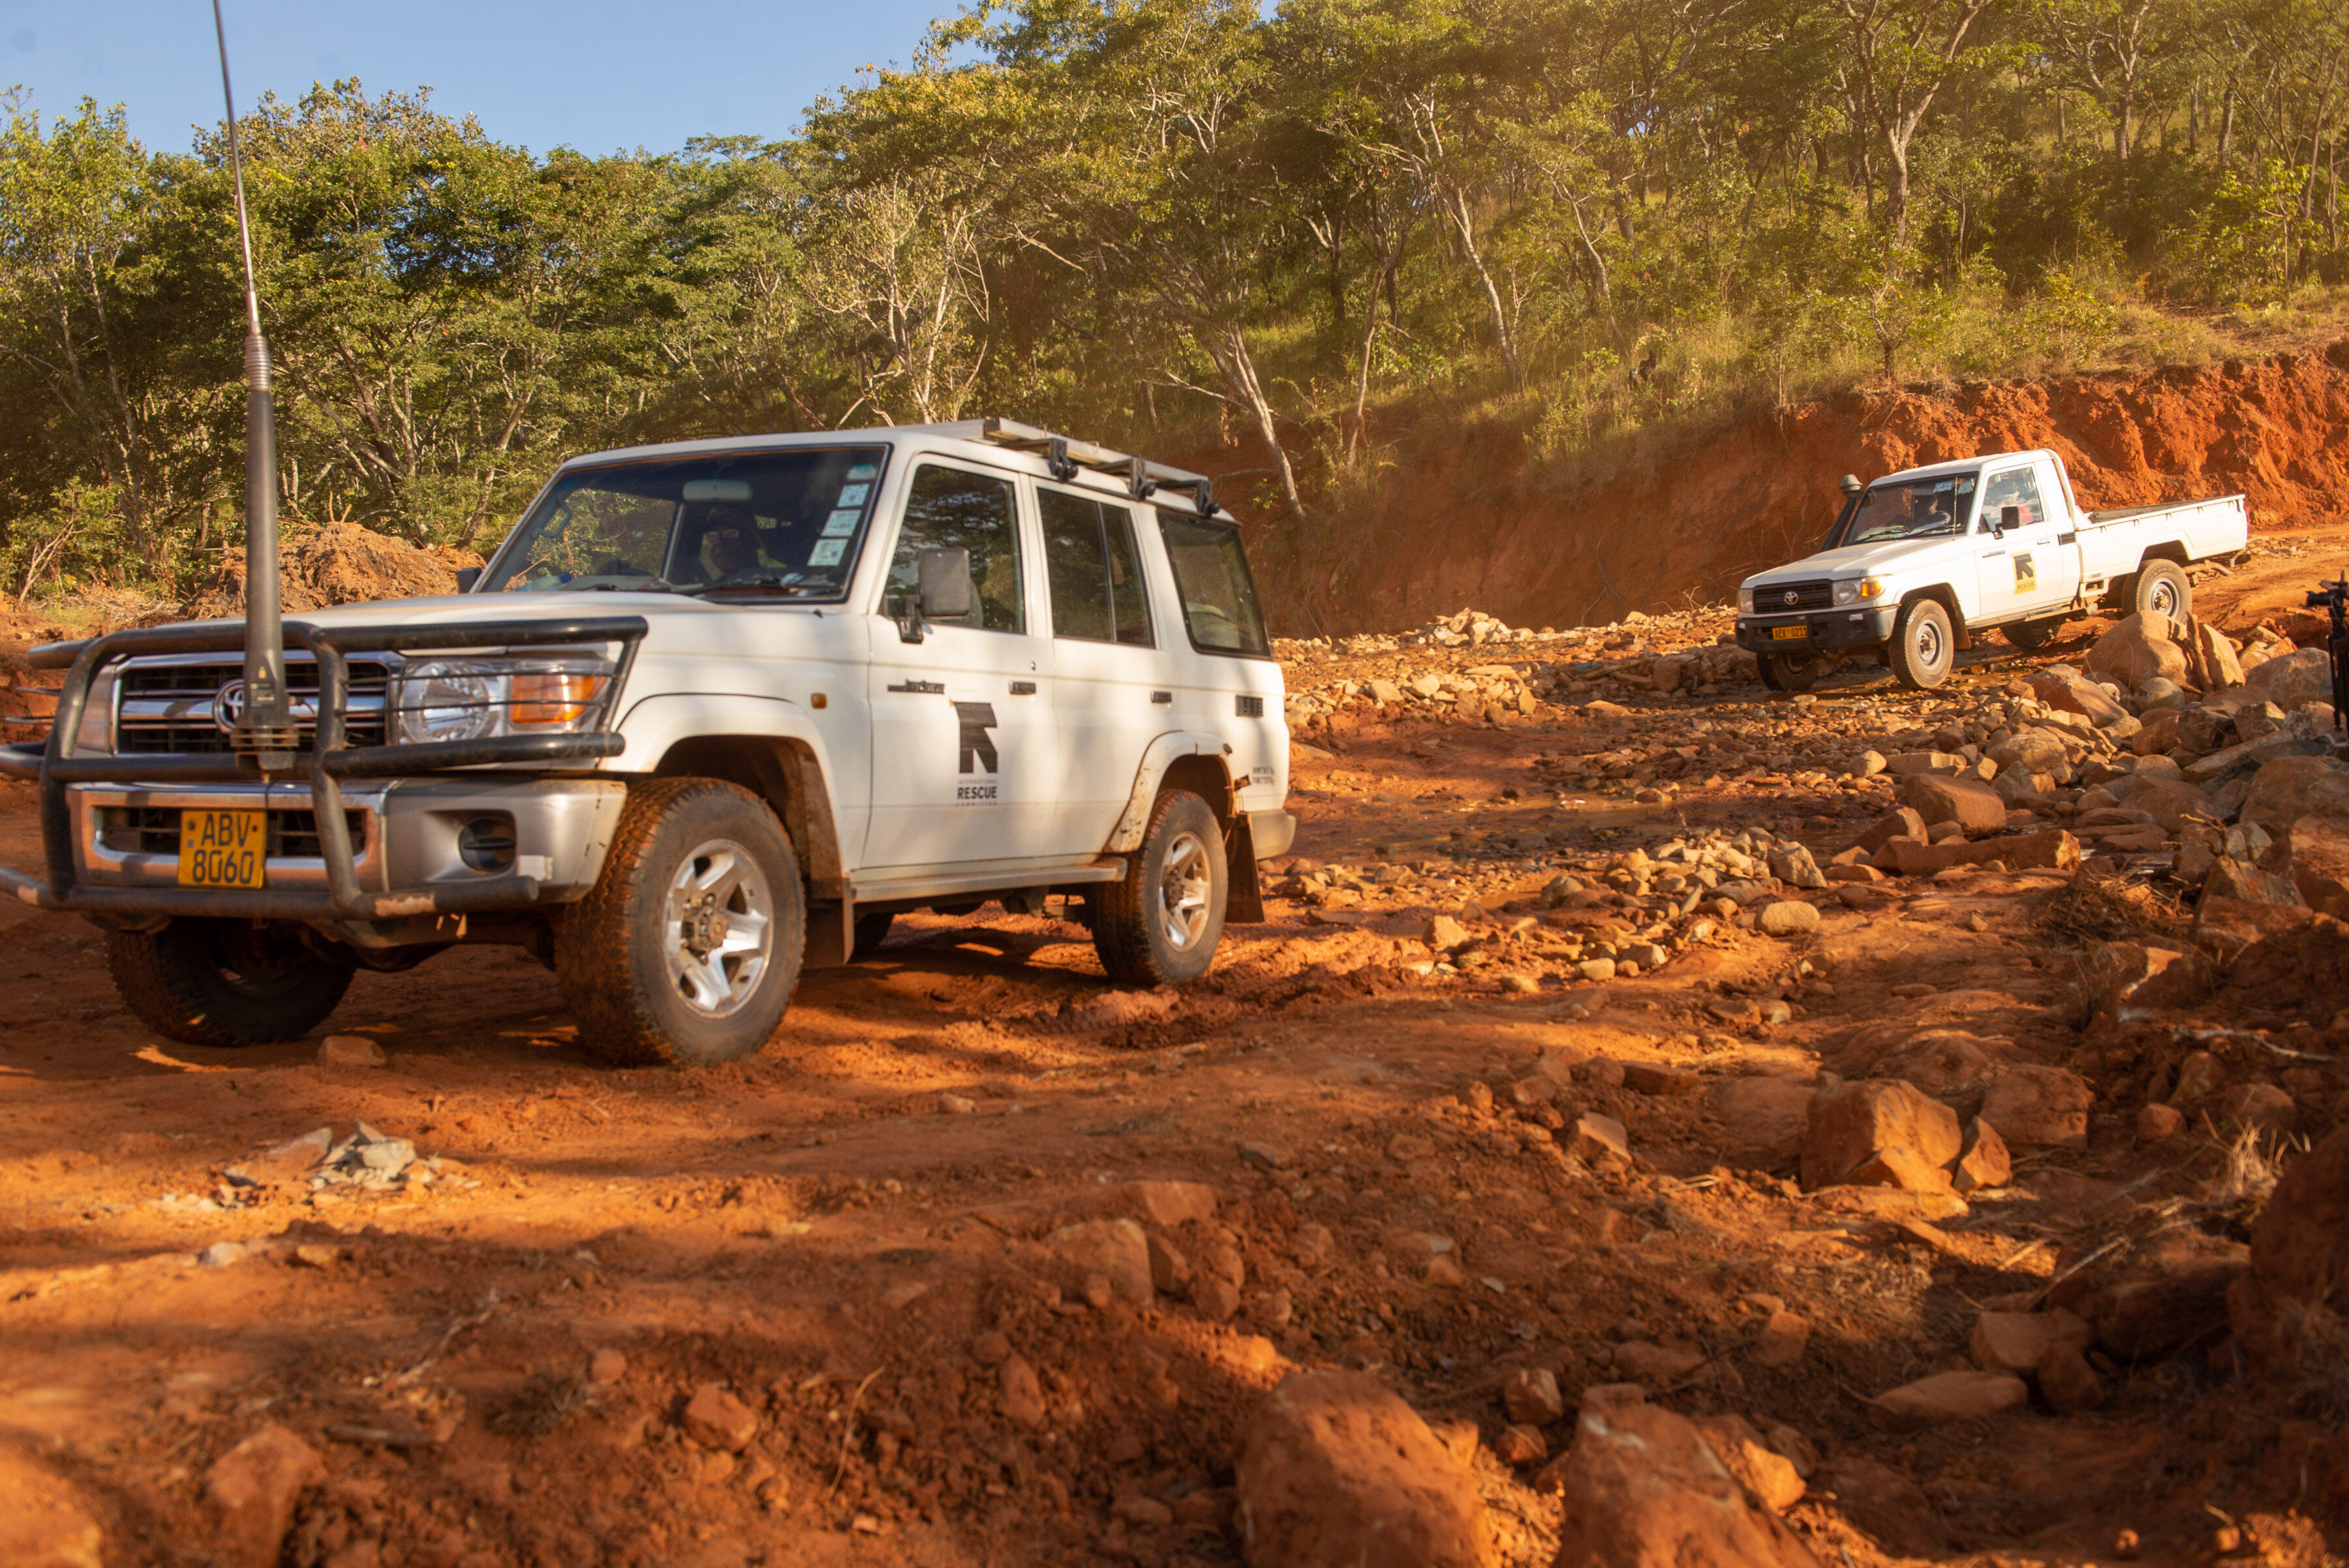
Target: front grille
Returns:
[[166, 705], [155, 830], [1771, 601]]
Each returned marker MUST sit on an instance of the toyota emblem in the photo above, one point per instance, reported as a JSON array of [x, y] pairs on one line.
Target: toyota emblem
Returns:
[[1792, 597], [228, 706]]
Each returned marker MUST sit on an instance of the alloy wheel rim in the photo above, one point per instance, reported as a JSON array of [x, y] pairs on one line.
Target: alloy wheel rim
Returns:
[[1185, 885], [719, 928]]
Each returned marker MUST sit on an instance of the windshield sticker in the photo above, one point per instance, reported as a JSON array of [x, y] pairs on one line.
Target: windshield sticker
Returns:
[[863, 471], [841, 525], [1966, 484], [853, 494], [827, 552]]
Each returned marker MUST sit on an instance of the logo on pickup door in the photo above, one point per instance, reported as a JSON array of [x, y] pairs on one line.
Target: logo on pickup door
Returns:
[[2026, 576], [975, 748]]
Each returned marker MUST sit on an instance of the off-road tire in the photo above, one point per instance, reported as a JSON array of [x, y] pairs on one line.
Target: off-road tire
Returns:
[[1131, 919], [1923, 649], [2161, 587], [223, 983], [1783, 672], [612, 949], [2031, 636], [872, 931]]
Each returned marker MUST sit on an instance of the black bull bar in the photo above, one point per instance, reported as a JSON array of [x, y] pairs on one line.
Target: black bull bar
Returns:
[[53, 764]]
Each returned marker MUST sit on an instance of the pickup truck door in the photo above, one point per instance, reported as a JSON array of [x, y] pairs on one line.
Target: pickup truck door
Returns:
[[2036, 565], [965, 748]]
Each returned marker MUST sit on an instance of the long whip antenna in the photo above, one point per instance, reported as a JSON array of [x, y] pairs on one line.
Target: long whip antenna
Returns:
[[261, 725]]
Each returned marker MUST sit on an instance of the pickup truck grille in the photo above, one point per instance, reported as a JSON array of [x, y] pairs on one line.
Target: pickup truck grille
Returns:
[[166, 706], [155, 830], [1781, 597]]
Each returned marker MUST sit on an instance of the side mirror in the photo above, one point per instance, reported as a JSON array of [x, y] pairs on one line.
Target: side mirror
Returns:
[[2008, 518], [941, 588], [1851, 485], [466, 577]]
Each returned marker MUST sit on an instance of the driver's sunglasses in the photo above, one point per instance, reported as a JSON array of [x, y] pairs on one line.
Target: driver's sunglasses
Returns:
[[717, 534]]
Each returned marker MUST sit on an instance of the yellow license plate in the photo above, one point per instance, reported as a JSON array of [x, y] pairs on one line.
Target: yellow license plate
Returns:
[[1791, 633], [222, 848]]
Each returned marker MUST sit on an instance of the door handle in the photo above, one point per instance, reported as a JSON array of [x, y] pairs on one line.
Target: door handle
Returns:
[[1023, 689], [921, 688], [1162, 697]]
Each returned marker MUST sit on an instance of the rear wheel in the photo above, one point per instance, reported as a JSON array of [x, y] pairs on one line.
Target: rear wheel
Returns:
[[2033, 635], [224, 983], [1922, 648], [2161, 588], [687, 948], [1162, 923]]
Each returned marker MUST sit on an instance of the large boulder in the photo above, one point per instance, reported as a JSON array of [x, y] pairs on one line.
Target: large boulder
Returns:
[[251, 1489], [2139, 649], [2314, 853], [2046, 1107], [2298, 1283], [2061, 687], [2293, 680], [1970, 803], [1879, 1132], [1643, 1488], [1336, 1472], [2289, 788], [2170, 802], [2210, 658]]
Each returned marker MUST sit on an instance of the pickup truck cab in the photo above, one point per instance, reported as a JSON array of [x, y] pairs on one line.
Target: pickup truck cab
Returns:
[[1920, 560], [715, 711]]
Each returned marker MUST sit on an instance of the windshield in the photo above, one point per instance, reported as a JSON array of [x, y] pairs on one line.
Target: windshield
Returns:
[[785, 523], [1913, 509]]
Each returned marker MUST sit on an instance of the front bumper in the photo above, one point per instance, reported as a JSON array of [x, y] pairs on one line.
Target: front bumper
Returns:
[[383, 830], [1824, 631], [404, 834]]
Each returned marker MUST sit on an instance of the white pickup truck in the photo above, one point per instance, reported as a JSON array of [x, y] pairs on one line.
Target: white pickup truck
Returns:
[[1920, 560], [714, 711]]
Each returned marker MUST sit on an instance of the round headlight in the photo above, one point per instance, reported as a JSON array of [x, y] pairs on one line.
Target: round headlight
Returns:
[[444, 700]]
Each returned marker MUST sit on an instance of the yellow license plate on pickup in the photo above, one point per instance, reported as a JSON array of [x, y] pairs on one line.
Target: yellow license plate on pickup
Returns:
[[1791, 633], [222, 848]]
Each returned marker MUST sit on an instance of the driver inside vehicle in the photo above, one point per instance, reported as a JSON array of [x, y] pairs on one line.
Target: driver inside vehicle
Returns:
[[730, 544]]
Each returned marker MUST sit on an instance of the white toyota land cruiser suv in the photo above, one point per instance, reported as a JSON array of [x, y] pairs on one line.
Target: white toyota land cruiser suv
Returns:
[[716, 712]]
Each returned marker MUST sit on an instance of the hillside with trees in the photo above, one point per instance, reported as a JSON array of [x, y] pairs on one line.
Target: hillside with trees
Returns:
[[1309, 238]]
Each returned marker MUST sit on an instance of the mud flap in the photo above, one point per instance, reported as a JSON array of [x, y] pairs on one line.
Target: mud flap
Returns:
[[1244, 895], [830, 935]]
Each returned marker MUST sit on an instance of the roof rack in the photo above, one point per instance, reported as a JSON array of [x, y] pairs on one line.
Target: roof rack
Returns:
[[1066, 457]]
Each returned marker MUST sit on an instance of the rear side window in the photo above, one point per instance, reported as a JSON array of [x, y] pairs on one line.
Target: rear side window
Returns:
[[1211, 573], [946, 508], [1095, 569]]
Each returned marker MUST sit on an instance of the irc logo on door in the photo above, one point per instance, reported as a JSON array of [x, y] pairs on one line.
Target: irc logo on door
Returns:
[[2026, 576], [975, 748]]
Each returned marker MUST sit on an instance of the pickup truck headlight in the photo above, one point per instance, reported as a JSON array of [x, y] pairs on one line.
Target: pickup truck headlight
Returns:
[[1853, 590], [473, 699], [1745, 599]]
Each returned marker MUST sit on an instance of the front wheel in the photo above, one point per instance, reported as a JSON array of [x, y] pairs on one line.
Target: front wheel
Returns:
[[687, 948], [1922, 648], [1786, 672], [1161, 924], [224, 982]]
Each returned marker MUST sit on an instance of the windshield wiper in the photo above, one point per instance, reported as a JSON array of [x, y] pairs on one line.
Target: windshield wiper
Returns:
[[649, 585]]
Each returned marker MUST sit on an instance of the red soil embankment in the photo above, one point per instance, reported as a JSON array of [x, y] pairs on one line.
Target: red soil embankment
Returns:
[[1466, 524]]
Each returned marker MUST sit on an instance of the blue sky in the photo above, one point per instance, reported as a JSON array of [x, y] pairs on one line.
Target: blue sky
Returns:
[[598, 75]]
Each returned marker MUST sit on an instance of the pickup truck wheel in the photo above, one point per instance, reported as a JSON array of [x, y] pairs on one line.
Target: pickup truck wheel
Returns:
[[2033, 635], [1922, 648], [1784, 672], [1160, 925], [223, 983], [2161, 588], [687, 948]]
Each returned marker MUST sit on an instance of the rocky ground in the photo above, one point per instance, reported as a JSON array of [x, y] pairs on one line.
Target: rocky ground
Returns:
[[1657, 1123]]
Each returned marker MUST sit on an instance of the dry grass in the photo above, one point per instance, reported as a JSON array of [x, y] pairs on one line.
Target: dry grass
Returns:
[[2100, 905], [543, 1403]]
